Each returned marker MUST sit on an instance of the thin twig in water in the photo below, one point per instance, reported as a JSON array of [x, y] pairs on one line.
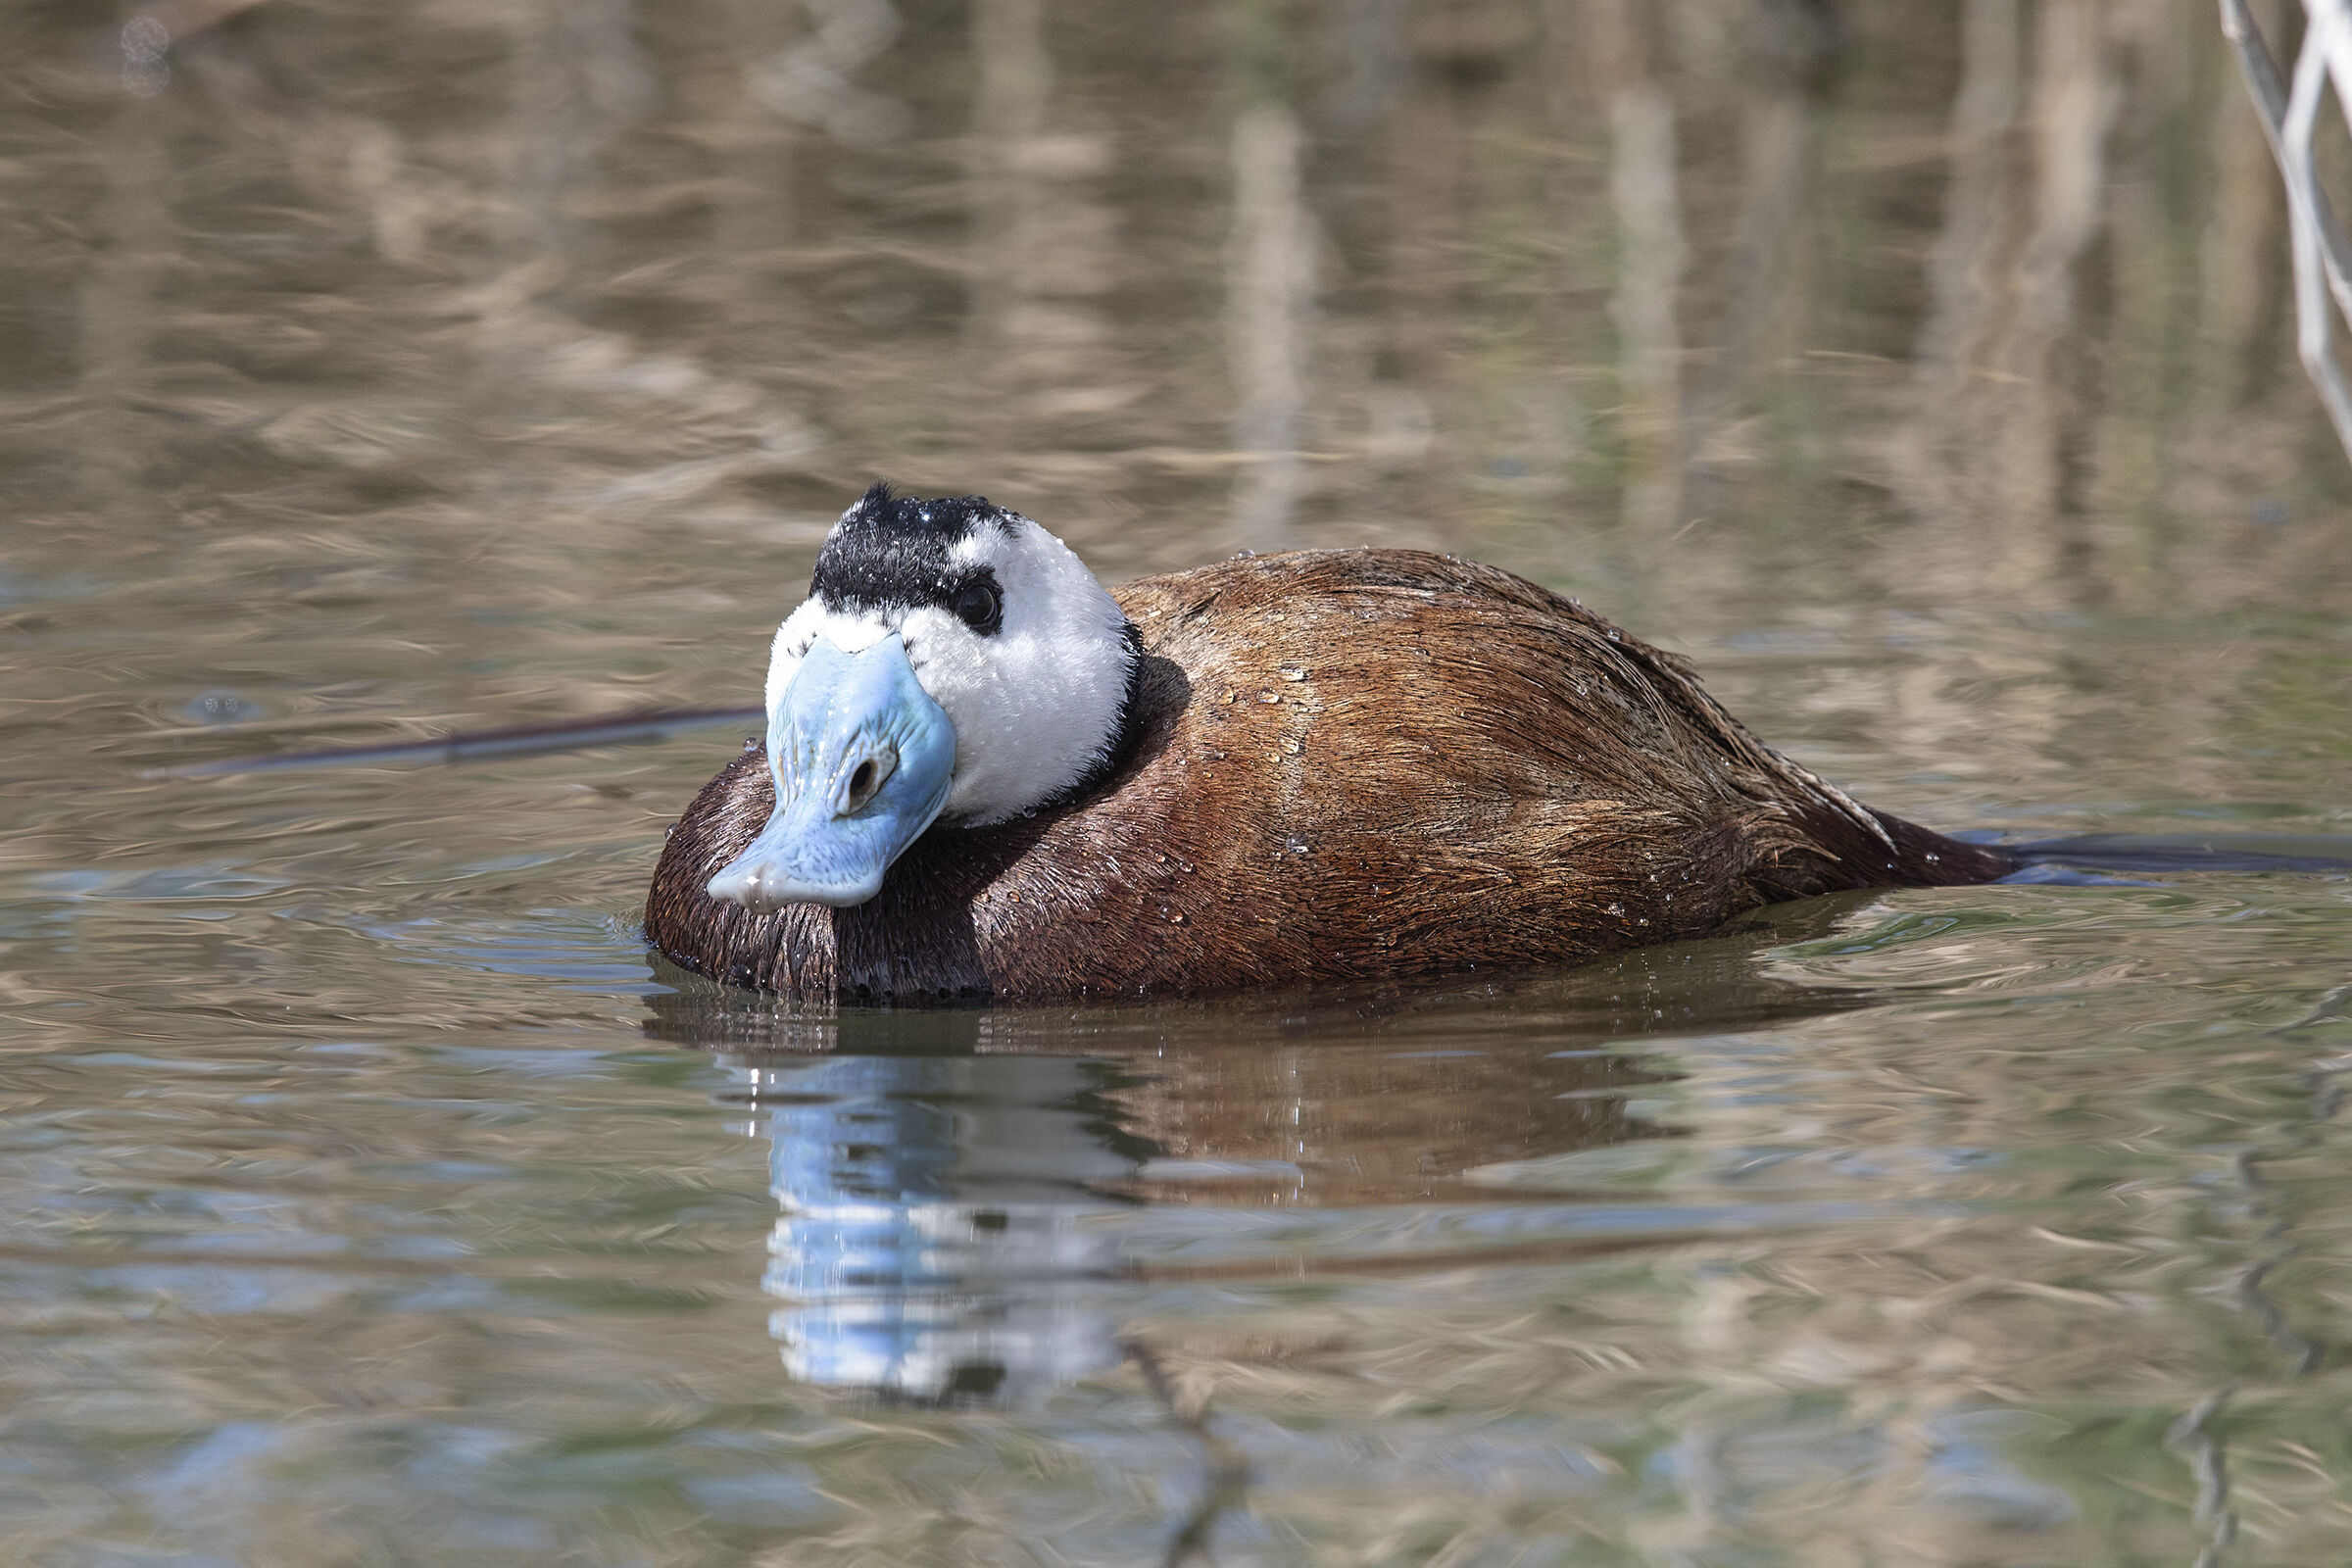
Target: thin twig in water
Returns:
[[2195, 1433], [1227, 1472], [614, 729]]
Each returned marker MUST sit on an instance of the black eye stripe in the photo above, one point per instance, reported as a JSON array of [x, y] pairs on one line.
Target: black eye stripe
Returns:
[[973, 597], [894, 553]]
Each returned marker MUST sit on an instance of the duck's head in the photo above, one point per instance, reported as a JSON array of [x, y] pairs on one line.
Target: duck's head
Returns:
[[953, 660]]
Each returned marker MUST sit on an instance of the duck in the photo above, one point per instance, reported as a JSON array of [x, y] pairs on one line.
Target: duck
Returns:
[[987, 777]]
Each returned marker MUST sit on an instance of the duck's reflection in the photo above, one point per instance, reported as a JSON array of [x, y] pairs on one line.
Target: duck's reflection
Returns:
[[935, 1241], [977, 1205], [955, 1222]]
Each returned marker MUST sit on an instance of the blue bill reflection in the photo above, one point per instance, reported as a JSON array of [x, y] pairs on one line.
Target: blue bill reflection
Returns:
[[942, 1236]]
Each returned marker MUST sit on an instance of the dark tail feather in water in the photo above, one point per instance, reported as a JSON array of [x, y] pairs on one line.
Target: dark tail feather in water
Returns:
[[2106, 857]]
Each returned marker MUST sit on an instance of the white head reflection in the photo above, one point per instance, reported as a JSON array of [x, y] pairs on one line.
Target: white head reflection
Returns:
[[941, 1239]]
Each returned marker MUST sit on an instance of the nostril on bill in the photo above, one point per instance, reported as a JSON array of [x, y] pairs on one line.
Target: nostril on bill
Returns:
[[866, 780]]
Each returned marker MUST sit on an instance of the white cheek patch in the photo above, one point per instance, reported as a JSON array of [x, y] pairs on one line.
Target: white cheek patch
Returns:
[[1038, 704]]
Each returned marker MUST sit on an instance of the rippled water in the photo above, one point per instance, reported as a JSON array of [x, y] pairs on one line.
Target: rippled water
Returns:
[[373, 373]]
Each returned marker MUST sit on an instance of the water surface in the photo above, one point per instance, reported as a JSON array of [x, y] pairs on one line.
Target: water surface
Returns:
[[375, 373]]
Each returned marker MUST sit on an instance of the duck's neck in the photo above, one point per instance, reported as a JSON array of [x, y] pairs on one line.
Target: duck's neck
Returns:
[[1126, 730]]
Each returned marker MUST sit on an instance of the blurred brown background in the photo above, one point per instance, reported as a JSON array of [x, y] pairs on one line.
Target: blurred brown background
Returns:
[[1941, 300]]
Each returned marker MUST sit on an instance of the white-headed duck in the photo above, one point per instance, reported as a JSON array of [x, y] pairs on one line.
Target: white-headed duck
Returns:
[[986, 776]]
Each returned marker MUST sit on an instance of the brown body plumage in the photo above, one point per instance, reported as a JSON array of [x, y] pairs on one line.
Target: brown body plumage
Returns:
[[1349, 764]]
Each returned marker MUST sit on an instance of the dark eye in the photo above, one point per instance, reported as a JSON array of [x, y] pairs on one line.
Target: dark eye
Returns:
[[979, 606]]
